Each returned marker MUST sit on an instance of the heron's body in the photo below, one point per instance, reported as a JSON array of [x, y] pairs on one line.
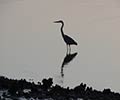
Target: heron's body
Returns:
[[68, 40]]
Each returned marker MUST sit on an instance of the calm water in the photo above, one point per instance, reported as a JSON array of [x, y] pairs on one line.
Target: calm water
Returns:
[[44, 61], [31, 45]]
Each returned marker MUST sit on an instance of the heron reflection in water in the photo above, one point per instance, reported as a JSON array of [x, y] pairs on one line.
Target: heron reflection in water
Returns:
[[67, 59]]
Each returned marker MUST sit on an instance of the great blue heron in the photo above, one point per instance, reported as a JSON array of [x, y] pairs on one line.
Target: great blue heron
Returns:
[[68, 40]]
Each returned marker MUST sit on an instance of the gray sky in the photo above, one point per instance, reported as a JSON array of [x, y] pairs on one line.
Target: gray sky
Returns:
[[31, 45]]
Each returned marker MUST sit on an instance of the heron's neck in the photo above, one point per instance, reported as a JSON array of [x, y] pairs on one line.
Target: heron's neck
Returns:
[[62, 29]]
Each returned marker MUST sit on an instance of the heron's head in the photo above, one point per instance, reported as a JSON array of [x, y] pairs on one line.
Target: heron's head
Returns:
[[59, 21]]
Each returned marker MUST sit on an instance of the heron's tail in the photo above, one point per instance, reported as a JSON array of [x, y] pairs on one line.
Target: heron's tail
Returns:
[[76, 43]]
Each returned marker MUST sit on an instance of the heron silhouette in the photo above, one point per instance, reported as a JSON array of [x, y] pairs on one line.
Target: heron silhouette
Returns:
[[68, 40]]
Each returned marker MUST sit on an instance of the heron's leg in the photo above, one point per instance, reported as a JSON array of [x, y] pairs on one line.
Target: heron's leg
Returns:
[[69, 49]]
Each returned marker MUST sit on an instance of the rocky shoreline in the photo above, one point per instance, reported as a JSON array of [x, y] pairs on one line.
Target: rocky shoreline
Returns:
[[11, 89]]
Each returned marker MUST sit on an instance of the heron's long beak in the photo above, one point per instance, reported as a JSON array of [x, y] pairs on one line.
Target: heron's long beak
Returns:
[[56, 21]]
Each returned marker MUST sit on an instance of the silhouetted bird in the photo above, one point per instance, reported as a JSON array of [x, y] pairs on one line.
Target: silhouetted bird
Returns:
[[68, 40]]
